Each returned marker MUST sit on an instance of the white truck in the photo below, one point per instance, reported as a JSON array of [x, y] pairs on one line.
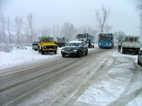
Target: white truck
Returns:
[[130, 44]]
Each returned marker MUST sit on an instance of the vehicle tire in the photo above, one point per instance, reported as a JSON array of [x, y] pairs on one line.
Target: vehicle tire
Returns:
[[42, 52], [55, 52], [138, 62], [39, 50], [86, 52], [123, 51], [63, 55]]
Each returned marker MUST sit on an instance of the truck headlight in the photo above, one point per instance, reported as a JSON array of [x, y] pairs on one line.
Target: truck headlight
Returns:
[[99, 43], [110, 44]]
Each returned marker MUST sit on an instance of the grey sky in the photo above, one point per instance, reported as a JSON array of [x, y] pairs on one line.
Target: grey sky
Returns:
[[123, 15]]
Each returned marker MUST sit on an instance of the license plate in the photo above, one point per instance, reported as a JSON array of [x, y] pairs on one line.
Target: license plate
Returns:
[[50, 48]]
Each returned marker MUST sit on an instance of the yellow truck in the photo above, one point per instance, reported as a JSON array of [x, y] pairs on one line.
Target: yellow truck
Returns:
[[46, 44]]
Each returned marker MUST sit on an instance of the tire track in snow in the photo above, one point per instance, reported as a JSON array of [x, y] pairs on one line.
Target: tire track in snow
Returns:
[[41, 81], [73, 93], [125, 98], [101, 70]]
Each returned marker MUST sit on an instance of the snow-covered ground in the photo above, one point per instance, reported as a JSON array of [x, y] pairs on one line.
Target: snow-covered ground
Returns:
[[115, 87], [18, 56]]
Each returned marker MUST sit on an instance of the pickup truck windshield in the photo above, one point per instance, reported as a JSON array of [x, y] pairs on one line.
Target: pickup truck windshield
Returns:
[[47, 40]]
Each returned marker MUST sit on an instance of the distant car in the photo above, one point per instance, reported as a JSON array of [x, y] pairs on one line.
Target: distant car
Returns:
[[75, 48], [35, 45], [140, 56]]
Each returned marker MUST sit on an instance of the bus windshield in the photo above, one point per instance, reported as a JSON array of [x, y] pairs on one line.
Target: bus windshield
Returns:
[[105, 37]]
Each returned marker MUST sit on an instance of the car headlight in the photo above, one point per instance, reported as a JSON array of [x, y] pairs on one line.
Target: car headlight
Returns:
[[92, 44], [75, 50], [62, 50]]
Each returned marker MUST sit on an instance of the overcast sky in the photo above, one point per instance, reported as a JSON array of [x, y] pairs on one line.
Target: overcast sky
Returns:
[[123, 15]]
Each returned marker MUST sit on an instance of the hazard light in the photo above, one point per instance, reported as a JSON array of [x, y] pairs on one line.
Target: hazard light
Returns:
[[102, 34]]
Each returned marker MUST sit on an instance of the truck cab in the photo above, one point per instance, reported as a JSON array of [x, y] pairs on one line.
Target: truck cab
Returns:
[[46, 44]]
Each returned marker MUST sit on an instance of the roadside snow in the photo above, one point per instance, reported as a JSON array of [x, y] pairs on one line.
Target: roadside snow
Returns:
[[18, 56]]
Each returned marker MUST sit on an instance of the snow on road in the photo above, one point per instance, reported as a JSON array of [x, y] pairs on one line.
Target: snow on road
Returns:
[[120, 80]]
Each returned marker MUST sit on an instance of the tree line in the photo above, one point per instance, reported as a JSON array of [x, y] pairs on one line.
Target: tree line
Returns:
[[18, 32]]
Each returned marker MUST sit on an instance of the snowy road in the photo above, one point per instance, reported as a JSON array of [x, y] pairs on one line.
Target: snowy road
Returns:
[[104, 77]]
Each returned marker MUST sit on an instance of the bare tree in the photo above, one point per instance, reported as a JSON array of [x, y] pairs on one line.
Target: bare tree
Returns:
[[30, 25], [8, 28], [68, 31], [55, 31], [3, 26], [18, 27], [102, 18], [44, 31]]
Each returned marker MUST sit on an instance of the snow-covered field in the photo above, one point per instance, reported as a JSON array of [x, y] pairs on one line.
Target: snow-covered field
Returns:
[[18, 56], [115, 88]]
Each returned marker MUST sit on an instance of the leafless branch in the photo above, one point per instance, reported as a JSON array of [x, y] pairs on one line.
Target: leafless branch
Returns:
[[30, 24], [101, 19]]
